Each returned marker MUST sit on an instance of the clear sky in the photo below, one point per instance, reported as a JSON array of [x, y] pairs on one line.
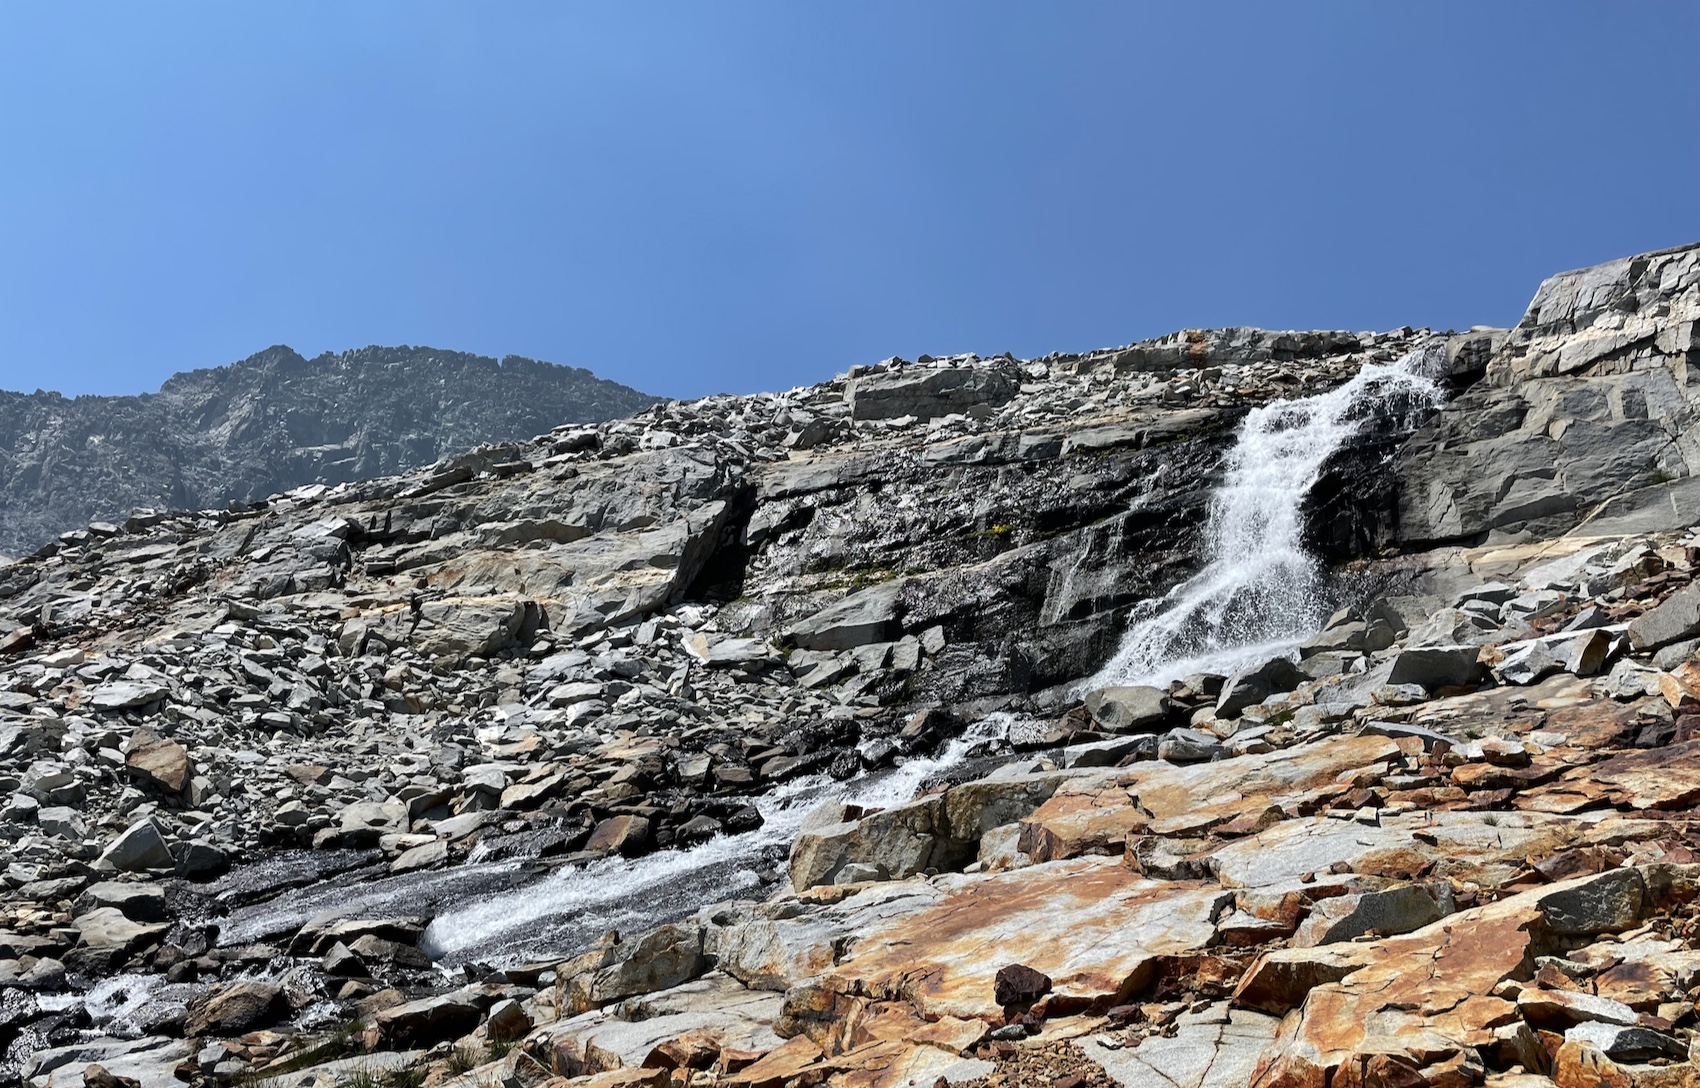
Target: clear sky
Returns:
[[725, 196]]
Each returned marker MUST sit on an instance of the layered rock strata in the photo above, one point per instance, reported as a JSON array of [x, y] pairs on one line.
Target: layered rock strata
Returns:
[[253, 754]]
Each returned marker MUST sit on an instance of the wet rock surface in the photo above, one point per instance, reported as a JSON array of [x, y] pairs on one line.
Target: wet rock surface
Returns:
[[747, 742]]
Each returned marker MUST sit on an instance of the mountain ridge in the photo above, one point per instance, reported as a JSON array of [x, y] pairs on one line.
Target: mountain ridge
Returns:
[[270, 422]]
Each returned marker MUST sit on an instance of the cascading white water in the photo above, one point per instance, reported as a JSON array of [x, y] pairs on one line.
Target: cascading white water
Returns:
[[1260, 593], [571, 906]]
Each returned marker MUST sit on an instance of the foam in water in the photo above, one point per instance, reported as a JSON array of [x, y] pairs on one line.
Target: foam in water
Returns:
[[561, 910], [1260, 594]]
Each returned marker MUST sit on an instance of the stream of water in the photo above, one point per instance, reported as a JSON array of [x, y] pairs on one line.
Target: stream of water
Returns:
[[1260, 594], [501, 913], [570, 908]]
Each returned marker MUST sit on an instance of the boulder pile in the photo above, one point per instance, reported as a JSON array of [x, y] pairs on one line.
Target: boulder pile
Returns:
[[1451, 843]]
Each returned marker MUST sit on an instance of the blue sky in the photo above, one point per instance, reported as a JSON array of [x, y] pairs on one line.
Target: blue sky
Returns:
[[725, 196]]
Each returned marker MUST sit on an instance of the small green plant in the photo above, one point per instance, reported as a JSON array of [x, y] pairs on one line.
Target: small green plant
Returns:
[[497, 1049], [347, 1038], [464, 1059], [360, 1078], [409, 1077], [1491, 819]]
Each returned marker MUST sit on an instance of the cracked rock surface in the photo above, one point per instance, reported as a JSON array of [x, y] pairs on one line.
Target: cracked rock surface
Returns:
[[325, 790]]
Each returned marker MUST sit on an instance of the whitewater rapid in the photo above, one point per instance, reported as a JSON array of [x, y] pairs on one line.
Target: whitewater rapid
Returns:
[[1260, 594], [571, 907]]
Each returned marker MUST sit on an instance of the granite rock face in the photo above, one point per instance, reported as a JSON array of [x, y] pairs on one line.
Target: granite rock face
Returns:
[[269, 423], [750, 741], [1585, 410]]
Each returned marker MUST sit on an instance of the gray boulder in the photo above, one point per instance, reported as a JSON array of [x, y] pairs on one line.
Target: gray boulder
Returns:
[[426, 1021], [1252, 686], [1189, 746], [234, 1008], [121, 695], [62, 822], [902, 839], [106, 938], [866, 616], [1128, 709], [1432, 667], [1395, 910], [1529, 664], [664, 957], [1353, 635], [452, 631], [365, 822], [929, 392], [139, 902], [1675, 619], [141, 846]]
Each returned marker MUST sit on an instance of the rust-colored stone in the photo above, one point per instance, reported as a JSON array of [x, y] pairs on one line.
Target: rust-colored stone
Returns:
[[1093, 927]]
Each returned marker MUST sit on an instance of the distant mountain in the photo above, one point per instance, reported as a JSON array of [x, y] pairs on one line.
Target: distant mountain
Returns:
[[269, 423]]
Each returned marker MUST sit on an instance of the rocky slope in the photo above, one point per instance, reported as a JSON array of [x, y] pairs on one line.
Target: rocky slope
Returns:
[[753, 741], [269, 423]]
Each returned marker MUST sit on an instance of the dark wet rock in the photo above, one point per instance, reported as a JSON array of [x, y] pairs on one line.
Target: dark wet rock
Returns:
[[620, 834]]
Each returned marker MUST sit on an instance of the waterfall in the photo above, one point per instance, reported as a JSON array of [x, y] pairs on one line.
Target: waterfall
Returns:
[[1260, 594]]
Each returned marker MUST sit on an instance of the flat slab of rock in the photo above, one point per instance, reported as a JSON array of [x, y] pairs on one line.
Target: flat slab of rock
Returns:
[[778, 953], [137, 901], [1677, 617], [121, 695], [1093, 926], [867, 616], [150, 1061], [1431, 994], [714, 1008], [1216, 1048], [1434, 667], [1464, 846], [1091, 814], [925, 393]]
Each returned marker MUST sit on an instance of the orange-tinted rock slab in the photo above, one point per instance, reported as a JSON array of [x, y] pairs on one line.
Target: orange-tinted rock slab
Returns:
[[1094, 927]]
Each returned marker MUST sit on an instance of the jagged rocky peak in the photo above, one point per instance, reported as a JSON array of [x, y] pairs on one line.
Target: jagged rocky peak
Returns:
[[271, 422], [1121, 717]]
